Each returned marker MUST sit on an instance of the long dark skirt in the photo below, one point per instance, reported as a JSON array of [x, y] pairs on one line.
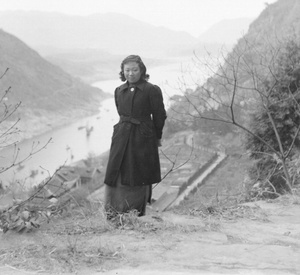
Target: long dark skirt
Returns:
[[124, 198]]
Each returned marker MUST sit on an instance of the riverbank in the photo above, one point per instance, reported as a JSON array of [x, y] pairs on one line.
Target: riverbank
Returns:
[[33, 125]]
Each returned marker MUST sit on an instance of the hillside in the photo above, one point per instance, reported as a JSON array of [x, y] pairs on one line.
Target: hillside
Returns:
[[258, 238], [279, 19], [250, 58], [255, 57], [49, 96]]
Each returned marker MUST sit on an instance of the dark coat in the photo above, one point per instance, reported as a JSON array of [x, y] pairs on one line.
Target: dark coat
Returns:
[[134, 150]]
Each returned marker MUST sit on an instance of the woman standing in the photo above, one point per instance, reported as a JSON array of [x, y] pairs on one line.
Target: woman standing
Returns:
[[133, 164]]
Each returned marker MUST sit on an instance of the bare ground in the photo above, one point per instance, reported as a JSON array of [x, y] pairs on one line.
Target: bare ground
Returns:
[[253, 238]]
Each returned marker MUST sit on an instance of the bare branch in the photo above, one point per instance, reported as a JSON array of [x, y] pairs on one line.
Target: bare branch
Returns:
[[15, 162], [173, 168], [4, 73]]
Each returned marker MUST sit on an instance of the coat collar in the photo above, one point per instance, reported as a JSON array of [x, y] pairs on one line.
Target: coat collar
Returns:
[[140, 85]]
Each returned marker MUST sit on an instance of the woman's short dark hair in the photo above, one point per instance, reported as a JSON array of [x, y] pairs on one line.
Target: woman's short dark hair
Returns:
[[138, 60]]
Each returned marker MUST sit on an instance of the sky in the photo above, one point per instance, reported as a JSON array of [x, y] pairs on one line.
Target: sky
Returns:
[[193, 16]]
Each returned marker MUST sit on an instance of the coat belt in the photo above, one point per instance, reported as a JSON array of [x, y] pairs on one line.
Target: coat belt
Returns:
[[134, 120]]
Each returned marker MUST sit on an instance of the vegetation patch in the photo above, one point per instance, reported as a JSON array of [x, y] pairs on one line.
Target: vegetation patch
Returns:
[[51, 257]]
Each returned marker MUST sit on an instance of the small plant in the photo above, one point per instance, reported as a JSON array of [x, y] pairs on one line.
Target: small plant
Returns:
[[22, 219], [25, 214], [125, 220]]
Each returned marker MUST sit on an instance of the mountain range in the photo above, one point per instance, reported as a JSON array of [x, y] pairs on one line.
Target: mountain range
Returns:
[[111, 32], [50, 33], [91, 47]]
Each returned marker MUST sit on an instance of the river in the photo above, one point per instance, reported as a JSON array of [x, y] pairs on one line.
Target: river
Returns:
[[71, 143]]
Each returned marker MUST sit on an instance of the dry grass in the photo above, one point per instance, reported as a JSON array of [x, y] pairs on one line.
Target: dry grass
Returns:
[[222, 195], [70, 256], [289, 199], [225, 186], [87, 218], [67, 243], [77, 239]]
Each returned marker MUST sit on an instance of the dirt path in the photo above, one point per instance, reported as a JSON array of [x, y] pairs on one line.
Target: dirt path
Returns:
[[266, 243], [253, 238]]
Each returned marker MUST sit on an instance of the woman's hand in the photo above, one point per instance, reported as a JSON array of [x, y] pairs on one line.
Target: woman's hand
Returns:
[[159, 143]]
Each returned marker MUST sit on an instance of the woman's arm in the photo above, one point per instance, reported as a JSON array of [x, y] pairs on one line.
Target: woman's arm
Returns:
[[158, 110]]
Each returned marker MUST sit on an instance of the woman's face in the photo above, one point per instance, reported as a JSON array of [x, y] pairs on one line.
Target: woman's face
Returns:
[[132, 72]]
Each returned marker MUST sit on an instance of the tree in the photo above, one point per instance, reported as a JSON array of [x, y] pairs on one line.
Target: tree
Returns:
[[6, 112], [256, 89], [9, 131], [277, 121]]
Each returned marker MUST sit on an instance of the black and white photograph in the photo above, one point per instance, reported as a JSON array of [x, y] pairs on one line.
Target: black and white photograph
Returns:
[[152, 137]]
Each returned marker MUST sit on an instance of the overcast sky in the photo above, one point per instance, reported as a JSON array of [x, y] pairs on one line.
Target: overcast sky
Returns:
[[193, 16]]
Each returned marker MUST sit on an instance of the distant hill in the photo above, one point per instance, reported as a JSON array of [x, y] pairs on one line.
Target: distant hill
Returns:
[[111, 32], [90, 65], [277, 22], [49, 96], [226, 31]]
